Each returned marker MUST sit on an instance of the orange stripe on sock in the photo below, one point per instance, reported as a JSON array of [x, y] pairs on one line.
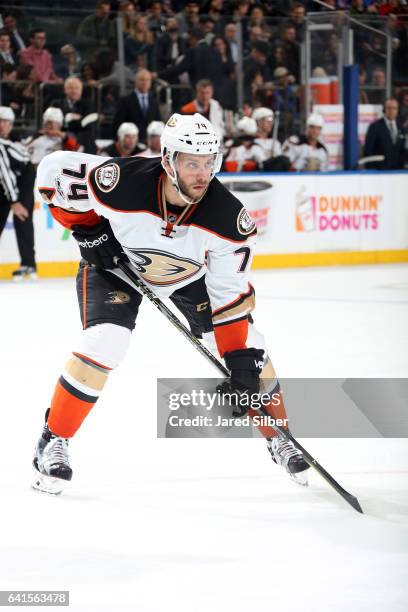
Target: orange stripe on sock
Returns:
[[92, 361], [67, 412]]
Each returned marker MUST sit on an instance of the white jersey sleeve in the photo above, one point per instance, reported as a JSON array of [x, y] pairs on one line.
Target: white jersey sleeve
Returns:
[[62, 180]]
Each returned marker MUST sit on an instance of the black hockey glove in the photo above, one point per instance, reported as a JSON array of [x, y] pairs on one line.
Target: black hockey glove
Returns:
[[98, 244], [245, 366]]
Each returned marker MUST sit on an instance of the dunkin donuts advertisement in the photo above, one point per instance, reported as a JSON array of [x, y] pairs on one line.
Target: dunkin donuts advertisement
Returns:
[[306, 213], [300, 217]]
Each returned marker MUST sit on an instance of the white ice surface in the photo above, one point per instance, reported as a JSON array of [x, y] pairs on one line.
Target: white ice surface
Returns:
[[207, 525]]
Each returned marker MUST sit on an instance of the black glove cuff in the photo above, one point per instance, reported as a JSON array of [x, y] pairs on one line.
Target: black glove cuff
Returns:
[[250, 359]]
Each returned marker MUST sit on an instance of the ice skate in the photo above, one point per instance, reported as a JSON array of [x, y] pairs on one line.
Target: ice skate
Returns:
[[24, 273], [284, 453], [51, 463]]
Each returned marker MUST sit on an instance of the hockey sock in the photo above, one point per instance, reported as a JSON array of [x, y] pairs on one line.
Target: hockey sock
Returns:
[[275, 408], [76, 392]]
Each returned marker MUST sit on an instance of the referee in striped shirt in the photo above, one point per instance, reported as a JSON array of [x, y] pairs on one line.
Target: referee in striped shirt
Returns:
[[17, 193]]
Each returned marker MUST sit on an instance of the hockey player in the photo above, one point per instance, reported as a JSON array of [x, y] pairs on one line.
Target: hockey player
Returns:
[[307, 152], [154, 132], [188, 238], [51, 137]]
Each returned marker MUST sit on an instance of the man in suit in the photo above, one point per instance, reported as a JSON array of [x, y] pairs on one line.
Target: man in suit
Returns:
[[17, 40], [75, 109], [6, 54], [140, 107], [386, 137]]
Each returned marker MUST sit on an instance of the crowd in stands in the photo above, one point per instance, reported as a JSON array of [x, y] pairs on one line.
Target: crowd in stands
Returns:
[[192, 46], [78, 94]]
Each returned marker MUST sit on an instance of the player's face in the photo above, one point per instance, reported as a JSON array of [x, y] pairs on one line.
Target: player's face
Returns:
[[314, 131], [194, 173], [5, 128]]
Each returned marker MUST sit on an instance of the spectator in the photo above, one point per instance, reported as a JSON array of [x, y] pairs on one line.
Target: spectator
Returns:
[[214, 9], [155, 18], [139, 45], [256, 63], [404, 110], [26, 91], [51, 137], [306, 152], [207, 28], [110, 70], [278, 57], [297, 15], [362, 80], [329, 56], [205, 104], [37, 56], [89, 75], [8, 86], [6, 54], [126, 143], [169, 46], [17, 40], [230, 36], [386, 137], [228, 90], [291, 49], [127, 10], [200, 62], [245, 155], [188, 18], [67, 62], [16, 194], [258, 20], [154, 132], [140, 107], [78, 118], [376, 96], [97, 30]]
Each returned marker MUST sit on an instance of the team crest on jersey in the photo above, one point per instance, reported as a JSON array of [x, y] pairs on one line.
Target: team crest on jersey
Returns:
[[107, 177], [245, 223], [161, 268], [172, 122]]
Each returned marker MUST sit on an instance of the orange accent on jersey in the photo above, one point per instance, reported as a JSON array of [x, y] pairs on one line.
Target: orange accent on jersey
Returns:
[[71, 143], [69, 218], [231, 336], [276, 409], [67, 412], [189, 109], [92, 361], [248, 166], [84, 293]]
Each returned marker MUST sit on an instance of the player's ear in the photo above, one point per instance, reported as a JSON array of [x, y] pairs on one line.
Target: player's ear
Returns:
[[167, 166]]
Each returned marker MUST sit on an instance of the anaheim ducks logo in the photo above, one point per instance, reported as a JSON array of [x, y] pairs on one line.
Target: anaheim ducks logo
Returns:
[[161, 268], [118, 297]]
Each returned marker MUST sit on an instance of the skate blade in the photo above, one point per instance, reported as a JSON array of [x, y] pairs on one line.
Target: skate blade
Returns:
[[48, 484], [301, 478]]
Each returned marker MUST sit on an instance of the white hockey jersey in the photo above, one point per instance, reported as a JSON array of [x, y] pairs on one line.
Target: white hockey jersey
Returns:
[[168, 247]]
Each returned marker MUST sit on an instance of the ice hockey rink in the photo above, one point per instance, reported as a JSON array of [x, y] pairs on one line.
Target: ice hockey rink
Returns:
[[207, 525]]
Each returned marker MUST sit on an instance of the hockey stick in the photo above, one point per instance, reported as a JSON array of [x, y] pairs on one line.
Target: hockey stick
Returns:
[[144, 290]]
